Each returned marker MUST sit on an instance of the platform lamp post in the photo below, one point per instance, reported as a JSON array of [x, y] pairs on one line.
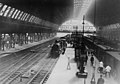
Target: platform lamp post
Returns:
[[83, 29], [76, 46], [83, 24], [94, 20]]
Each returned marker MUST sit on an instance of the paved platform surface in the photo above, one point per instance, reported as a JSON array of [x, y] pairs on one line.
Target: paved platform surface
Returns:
[[60, 74], [19, 48]]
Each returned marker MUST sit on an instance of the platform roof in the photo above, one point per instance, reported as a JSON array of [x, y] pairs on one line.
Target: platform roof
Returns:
[[58, 11]]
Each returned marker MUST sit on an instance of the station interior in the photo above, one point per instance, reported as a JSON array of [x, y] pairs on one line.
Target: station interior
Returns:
[[53, 41]]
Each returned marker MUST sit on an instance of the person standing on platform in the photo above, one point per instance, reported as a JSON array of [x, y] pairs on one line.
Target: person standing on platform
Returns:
[[83, 48], [85, 59], [81, 65], [93, 78], [92, 60], [100, 80], [93, 75], [108, 69], [68, 65], [101, 66], [64, 46]]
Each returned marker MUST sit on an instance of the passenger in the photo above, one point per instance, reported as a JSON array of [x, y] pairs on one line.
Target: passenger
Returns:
[[85, 59], [100, 68], [83, 48], [68, 65], [92, 60], [81, 63], [100, 80], [108, 69], [93, 78], [64, 46], [60, 44]]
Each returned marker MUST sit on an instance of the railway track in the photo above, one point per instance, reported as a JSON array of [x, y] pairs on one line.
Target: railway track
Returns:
[[21, 69], [43, 74], [13, 66], [8, 75], [12, 60], [9, 61]]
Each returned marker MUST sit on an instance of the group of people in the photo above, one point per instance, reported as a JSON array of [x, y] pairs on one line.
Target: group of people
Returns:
[[104, 70], [107, 73], [59, 47], [101, 69]]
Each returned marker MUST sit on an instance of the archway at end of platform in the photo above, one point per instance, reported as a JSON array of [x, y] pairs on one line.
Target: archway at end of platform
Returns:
[[70, 26]]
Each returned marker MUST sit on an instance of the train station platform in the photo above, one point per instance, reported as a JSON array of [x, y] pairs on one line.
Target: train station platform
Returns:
[[19, 48], [62, 75]]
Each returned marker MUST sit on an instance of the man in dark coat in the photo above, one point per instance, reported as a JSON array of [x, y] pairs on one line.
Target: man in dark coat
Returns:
[[92, 60], [100, 80]]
